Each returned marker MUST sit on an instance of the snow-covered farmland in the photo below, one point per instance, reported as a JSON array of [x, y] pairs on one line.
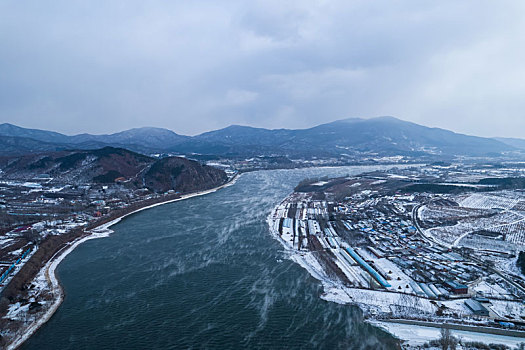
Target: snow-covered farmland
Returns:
[[432, 213], [502, 200], [513, 233], [482, 220]]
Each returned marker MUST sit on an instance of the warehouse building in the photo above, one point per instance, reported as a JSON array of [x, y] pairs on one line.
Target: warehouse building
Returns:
[[476, 307]]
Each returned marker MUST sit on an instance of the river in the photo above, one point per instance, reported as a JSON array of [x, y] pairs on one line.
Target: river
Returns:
[[202, 273]]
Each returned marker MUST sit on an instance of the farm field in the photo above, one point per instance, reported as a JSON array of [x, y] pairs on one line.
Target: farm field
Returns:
[[478, 220]]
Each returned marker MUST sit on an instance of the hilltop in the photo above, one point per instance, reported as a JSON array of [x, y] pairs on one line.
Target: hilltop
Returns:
[[111, 165]]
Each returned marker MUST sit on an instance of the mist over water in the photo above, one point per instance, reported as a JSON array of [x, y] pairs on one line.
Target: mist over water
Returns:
[[202, 273]]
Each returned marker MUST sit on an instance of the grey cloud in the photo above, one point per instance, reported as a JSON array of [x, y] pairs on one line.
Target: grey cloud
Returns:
[[102, 66]]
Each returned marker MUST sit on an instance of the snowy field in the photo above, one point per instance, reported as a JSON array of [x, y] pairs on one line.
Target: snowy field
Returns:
[[501, 213], [502, 200], [418, 335]]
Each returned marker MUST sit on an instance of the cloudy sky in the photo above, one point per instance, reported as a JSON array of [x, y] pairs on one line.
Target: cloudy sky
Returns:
[[191, 66]]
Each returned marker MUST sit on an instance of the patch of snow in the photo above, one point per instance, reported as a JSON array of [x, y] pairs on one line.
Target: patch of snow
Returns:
[[418, 335]]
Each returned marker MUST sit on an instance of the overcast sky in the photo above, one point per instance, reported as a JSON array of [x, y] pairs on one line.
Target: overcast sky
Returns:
[[192, 66]]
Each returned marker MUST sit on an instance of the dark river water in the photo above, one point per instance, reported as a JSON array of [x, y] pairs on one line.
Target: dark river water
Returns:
[[202, 273]]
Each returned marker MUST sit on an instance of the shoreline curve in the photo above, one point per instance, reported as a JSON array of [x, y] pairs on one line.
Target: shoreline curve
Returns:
[[101, 231]]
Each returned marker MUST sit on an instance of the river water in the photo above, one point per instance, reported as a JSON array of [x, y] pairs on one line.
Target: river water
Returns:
[[202, 273]]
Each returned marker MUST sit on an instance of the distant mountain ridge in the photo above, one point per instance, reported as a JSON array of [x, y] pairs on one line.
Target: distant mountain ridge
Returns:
[[514, 142], [382, 136], [143, 139]]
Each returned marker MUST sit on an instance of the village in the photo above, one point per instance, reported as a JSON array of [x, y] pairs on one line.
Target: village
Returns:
[[377, 240]]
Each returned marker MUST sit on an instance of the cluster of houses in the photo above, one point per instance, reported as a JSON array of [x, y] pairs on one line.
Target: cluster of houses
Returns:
[[390, 255]]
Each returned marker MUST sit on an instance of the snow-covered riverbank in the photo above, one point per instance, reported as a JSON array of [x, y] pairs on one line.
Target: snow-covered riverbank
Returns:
[[46, 279], [48, 276]]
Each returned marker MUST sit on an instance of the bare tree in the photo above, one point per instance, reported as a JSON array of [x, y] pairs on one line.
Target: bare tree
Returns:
[[32, 236], [447, 340]]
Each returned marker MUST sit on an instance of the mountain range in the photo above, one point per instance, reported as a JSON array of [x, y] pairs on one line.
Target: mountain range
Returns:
[[382, 136]]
